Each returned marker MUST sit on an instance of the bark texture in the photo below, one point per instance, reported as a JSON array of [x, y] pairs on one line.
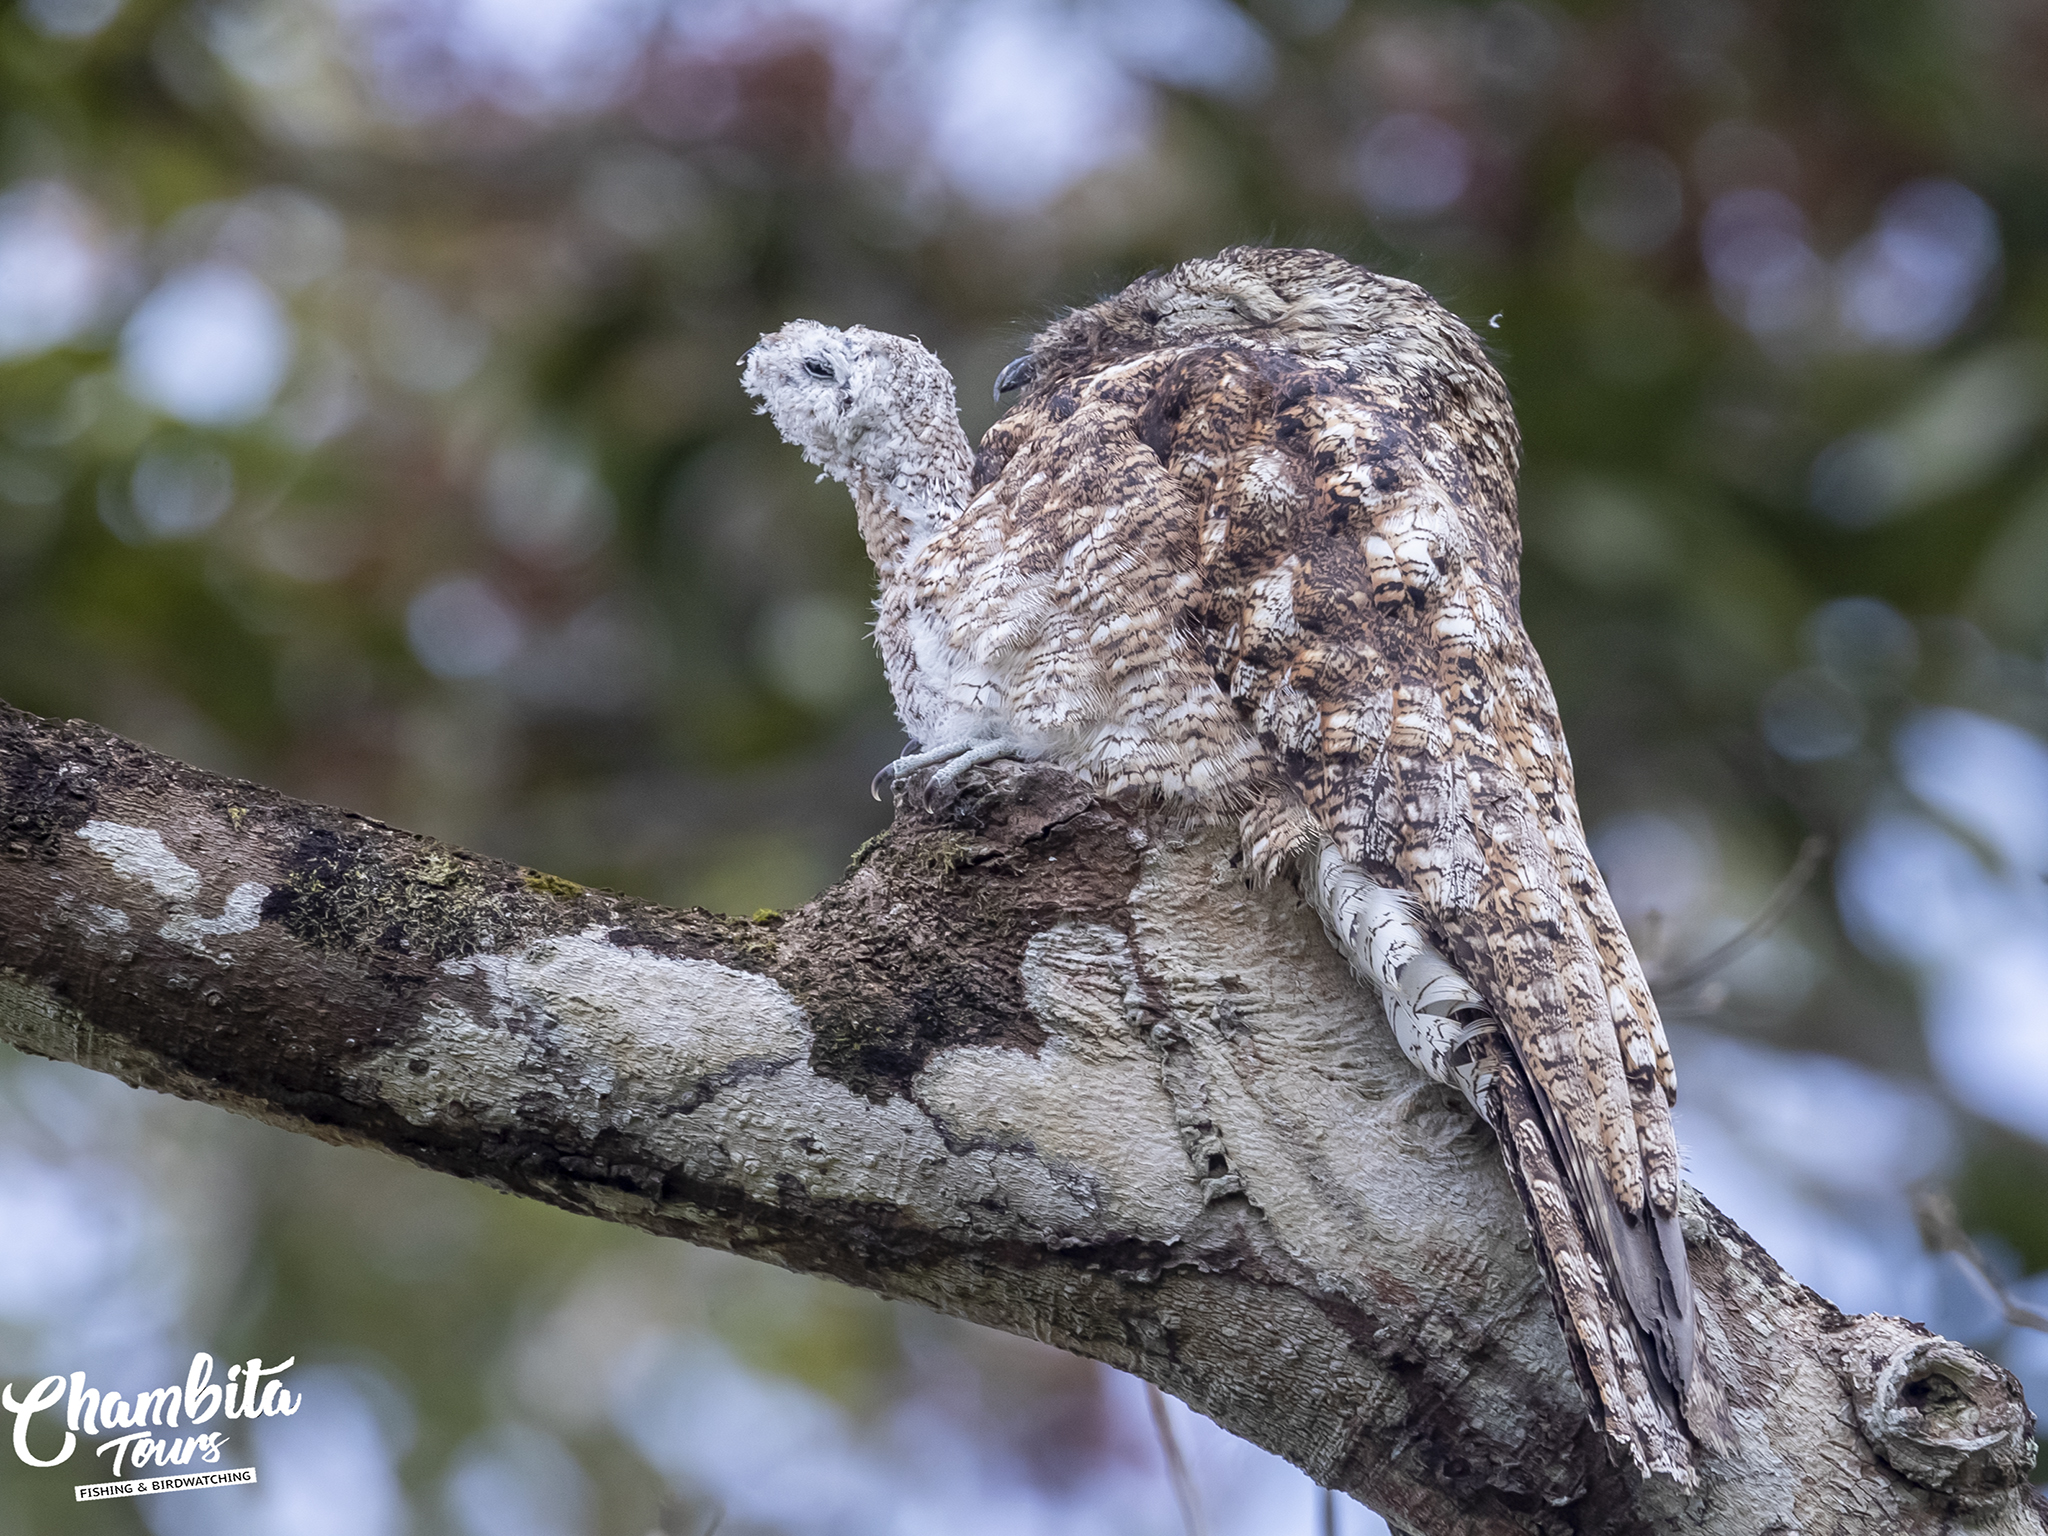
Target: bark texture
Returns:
[[1035, 1062]]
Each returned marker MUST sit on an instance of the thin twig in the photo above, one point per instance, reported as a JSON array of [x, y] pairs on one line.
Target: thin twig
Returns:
[[1941, 1231], [1804, 868], [1176, 1468], [1329, 1512]]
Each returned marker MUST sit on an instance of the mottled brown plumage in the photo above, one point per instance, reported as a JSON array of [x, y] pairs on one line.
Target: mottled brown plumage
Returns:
[[1247, 547]]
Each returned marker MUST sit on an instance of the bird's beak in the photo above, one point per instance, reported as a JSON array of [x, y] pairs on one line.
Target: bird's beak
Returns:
[[1015, 375]]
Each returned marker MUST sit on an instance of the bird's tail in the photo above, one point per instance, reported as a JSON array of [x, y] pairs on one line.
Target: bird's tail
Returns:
[[1630, 1394], [1619, 1286]]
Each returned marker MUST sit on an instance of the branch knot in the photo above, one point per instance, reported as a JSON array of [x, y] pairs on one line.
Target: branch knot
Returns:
[[1940, 1415]]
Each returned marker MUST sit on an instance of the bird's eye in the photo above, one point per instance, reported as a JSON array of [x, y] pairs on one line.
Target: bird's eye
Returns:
[[1149, 316], [818, 368]]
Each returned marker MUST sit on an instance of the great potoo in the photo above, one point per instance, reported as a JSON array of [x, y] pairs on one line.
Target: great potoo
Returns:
[[1247, 548]]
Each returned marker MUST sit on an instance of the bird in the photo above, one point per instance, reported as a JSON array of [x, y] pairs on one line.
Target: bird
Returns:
[[1246, 549]]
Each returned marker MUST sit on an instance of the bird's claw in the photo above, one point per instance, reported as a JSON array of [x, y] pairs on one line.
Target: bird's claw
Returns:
[[912, 760], [951, 761], [943, 784]]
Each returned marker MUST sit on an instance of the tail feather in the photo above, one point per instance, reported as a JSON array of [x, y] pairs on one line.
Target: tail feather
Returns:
[[1619, 1281], [1629, 1394]]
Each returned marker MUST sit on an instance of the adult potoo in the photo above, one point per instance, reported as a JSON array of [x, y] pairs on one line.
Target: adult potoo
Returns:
[[1247, 548]]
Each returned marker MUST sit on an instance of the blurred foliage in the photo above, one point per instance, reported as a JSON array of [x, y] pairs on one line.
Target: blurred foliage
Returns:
[[494, 549]]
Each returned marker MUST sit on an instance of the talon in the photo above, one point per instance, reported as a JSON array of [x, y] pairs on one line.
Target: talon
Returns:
[[912, 760], [956, 757], [886, 774]]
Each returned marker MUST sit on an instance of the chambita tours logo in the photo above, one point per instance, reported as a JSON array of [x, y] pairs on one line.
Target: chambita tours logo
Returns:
[[253, 1390]]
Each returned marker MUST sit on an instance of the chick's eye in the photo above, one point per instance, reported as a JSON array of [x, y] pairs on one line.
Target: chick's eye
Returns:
[[1149, 316], [818, 368]]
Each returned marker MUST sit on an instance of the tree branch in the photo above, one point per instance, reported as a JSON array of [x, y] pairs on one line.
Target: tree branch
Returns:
[[1038, 1063]]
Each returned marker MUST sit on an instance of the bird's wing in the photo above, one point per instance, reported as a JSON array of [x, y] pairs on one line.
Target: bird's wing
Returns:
[[1358, 599]]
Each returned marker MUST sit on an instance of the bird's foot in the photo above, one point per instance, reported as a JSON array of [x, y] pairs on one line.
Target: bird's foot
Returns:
[[952, 761], [914, 757]]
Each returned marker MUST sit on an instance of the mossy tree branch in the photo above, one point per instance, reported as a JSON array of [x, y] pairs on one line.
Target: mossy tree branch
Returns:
[[1036, 1063]]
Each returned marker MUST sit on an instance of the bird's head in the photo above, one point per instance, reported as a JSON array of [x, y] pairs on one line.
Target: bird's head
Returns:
[[859, 403], [1307, 301]]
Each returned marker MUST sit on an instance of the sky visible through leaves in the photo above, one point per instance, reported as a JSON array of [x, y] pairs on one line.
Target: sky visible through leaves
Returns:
[[370, 427]]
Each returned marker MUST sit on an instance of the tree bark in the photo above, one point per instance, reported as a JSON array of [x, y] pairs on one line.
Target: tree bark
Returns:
[[1038, 1062]]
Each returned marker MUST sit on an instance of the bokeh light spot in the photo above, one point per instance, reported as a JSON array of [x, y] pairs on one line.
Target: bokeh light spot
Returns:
[[1025, 107], [1910, 891], [1203, 45], [1808, 717], [1920, 272], [1411, 164], [518, 1481], [54, 267], [70, 18], [1766, 274], [286, 236], [1984, 775], [177, 491], [544, 501], [420, 343], [1987, 1029], [1863, 641], [461, 628], [209, 346]]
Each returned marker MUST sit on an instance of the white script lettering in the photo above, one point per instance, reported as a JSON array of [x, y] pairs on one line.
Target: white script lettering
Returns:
[[40, 1396]]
